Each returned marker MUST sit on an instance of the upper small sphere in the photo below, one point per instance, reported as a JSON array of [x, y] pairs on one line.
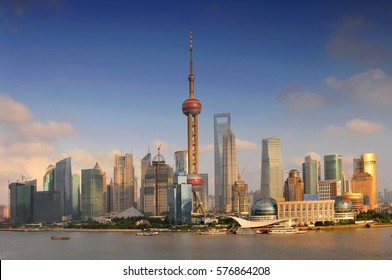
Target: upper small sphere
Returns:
[[191, 77], [191, 106]]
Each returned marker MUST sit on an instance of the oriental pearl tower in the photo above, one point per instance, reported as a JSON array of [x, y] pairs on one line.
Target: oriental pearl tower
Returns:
[[192, 108]]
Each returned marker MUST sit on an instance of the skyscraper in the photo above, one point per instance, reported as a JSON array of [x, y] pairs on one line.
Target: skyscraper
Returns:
[[125, 195], [229, 169], [63, 184], [145, 164], [221, 124], [158, 179], [240, 197], [22, 201], [181, 161], [271, 169], [333, 167], [368, 164], [294, 187], [49, 178], [191, 107], [311, 171], [92, 192], [76, 196]]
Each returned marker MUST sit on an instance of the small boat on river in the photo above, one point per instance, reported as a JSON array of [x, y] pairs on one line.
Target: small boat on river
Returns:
[[147, 233], [285, 230], [60, 237]]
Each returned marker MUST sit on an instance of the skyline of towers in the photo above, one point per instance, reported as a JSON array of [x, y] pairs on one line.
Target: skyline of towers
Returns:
[[221, 123], [229, 167], [271, 169], [124, 189]]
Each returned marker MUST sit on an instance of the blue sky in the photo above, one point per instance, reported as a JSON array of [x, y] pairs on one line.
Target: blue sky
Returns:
[[88, 79]]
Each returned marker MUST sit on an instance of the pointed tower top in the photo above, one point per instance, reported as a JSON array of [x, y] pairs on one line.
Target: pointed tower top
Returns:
[[190, 50], [97, 166]]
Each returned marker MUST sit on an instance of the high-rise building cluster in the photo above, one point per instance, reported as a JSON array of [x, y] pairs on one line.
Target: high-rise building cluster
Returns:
[[181, 192]]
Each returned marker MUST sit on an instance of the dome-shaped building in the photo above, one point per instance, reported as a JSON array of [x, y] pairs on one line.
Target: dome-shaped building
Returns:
[[343, 207], [264, 208]]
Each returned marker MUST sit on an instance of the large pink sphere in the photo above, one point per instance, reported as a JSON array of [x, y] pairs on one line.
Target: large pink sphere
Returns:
[[191, 106]]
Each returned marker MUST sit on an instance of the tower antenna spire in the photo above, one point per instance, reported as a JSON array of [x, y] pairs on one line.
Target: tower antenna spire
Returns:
[[190, 51]]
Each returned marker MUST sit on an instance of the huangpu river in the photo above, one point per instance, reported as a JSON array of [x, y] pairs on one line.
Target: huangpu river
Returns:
[[347, 244]]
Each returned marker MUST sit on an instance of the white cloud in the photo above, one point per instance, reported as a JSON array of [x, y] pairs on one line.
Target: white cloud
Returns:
[[351, 128], [296, 99], [245, 145], [372, 87], [364, 126], [47, 131], [12, 111]]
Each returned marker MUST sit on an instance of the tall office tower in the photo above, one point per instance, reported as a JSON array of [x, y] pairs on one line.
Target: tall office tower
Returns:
[[311, 170], [63, 184], [229, 168], [92, 192], [271, 169], [294, 187], [158, 178], [48, 179], [22, 201], [333, 167], [240, 197], [204, 192], [109, 197], [221, 124], [145, 164], [181, 161], [368, 164], [364, 183], [180, 199], [191, 107], [76, 196], [124, 183]]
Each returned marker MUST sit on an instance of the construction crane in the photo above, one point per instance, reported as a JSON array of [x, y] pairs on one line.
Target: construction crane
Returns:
[[240, 174]]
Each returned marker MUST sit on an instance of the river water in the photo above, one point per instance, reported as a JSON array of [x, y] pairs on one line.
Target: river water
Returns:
[[349, 244]]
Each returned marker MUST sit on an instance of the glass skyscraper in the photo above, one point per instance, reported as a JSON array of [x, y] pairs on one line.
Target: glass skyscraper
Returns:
[[125, 190], [48, 179], [76, 195], [333, 167], [92, 193], [229, 169], [63, 184], [22, 201], [311, 172], [271, 169], [221, 123]]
